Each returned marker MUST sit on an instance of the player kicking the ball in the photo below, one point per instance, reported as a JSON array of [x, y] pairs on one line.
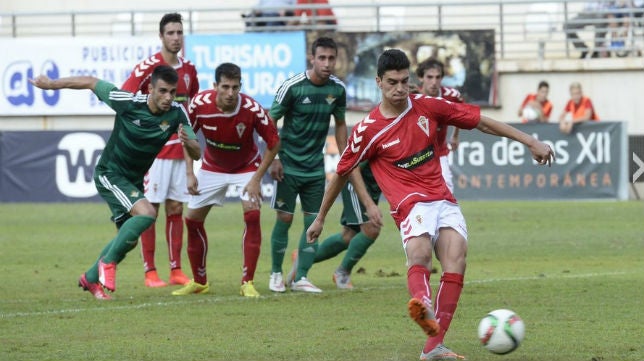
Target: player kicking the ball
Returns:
[[399, 138]]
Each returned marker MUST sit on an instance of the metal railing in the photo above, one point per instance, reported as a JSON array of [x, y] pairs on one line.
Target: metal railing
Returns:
[[523, 29]]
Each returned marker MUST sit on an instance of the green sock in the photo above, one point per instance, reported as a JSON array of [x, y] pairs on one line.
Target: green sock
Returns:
[[307, 251], [279, 242], [358, 246], [330, 247], [126, 239]]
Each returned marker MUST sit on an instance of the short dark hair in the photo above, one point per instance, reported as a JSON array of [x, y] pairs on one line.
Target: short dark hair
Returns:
[[169, 18], [542, 84], [392, 59], [323, 42], [229, 70], [430, 63], [165, 73]]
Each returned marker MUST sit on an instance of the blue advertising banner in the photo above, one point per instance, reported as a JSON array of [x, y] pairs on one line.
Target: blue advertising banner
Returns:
[[266, 59]]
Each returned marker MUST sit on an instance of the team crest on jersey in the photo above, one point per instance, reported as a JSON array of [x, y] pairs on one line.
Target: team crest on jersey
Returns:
[[423, 123], [186, 80], [330, 99], [164, 125], [240, 129]]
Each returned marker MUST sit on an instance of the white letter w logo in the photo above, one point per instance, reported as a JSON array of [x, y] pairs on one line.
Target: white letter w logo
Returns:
[[78, 154]]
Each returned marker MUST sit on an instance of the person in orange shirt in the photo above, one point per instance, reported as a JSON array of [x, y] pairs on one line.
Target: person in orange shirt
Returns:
[[578, 110], [536, 107], [319, 15]]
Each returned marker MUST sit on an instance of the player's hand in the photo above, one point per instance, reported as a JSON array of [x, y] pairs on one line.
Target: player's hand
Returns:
[[375, 215], [254, 191], [277, 170], [42, 82], [314, 231], [542, 153], [453, 143], [183, 136], [193, 184]]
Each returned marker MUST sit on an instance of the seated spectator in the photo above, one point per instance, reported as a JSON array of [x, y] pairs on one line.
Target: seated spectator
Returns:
[[578, 110], [617, 21], [318, 15], [594, 14], [275, 12], [536, 107]]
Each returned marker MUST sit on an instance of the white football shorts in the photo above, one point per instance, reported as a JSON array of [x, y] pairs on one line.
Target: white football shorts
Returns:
[[166, 179], [214, 186], [429, 218]]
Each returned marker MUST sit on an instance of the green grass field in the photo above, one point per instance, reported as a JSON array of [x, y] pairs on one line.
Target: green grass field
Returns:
[[574, 271]]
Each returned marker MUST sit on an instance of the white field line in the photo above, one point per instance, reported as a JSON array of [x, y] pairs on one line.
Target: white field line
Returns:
[[196, 299]]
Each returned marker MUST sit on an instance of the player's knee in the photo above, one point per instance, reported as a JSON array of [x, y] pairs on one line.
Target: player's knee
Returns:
[[347, 234], [251, 217], [173, 207], [370, 230], [285, 217]]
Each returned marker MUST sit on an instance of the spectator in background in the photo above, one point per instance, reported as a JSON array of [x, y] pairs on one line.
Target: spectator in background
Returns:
[[578, 110], [165, 181], [536, 107], [276, 12], [318, 15], [594, 14]]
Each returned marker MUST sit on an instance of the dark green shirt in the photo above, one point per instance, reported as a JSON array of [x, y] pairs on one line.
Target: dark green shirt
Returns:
[[138, 135], [307, 110]]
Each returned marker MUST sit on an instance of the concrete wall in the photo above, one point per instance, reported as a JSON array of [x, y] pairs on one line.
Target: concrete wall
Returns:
[[615, 85]]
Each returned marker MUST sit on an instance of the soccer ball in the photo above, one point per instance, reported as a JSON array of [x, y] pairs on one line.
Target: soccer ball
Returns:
[[501, 331], [531, 114]]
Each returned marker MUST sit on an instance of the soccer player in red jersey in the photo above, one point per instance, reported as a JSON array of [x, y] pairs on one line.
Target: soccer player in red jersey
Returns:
[[399, 138], [431, 72], [228, 120], [165, 182]]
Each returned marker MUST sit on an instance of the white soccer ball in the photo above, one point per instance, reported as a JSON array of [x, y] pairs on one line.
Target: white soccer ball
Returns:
[[501, 331], [531, 114]]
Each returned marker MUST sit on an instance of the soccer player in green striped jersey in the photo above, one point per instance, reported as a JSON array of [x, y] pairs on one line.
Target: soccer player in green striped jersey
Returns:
[[142, 125], [306, 102]]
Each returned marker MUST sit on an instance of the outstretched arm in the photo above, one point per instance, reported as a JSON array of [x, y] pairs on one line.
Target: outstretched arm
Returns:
[[331, 193], [541, 152], [72, 82]]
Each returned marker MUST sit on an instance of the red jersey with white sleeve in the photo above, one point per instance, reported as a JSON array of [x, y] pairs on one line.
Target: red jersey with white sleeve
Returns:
[[230, 141], [401, 150], [187, 87], [452, 95]]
